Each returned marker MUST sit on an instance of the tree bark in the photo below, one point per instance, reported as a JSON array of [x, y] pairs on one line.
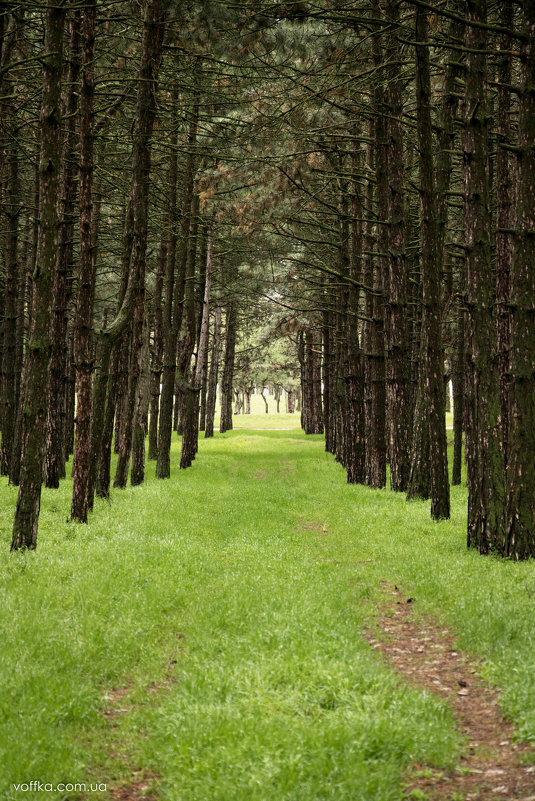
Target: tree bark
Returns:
[[137, 473], [55, 449], [312, 405], [157, 349], [151, 52], [457, 380], [328, 381], [204, 392], [14, 462], [12, 209], [83, 322], [225, 423], [430, 426], [70, 395], [39, 346], [174, 294], [105, 392], [190, 433], [186, 343], [504, 220], [376, 271], [485, 462], [354, 363], [211, 395], [396, 329], [520, 528]]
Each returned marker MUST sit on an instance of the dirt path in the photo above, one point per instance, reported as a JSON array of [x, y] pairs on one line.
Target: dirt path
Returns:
[[492, 766]]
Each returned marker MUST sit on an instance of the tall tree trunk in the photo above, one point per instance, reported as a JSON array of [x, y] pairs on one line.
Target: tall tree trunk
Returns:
[[137, 473], [122, 370], [225, 423], [312, 405], [375, 400], [100, 384], [430, 428], [110, 348], [328, 382], [134, 246], [55, 448], [164, 279], [211, 395], [397, 344], [38, 357], [485, 455], [12, 209], [457, 380], [204, 392], [83, 322], [342, 336], [14, 293], [70, 395], [153, 30], [520, 528], [204, 332], [25, 324], [157, 350], [354, 364], [191, 411], [14, 462], [174, 295], [504, 220], [105, 394], [128, 409], [316, 384], [186, 343]]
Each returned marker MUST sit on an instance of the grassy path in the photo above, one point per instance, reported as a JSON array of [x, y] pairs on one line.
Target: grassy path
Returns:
[[220, 615]]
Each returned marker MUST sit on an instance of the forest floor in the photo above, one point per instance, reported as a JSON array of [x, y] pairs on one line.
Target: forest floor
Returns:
[[242, 632]]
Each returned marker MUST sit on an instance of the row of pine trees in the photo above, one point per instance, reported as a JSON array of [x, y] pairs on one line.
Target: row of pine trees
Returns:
[[366, 169]]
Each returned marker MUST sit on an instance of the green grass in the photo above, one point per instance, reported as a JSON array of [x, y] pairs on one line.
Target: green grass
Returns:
[[251, 574], [259, 419]]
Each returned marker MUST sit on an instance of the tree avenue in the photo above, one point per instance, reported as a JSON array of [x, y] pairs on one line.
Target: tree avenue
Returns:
[[332, 200]]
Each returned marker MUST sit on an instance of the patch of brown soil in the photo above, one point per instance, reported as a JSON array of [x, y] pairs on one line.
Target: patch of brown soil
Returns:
[[313, 525], [260, 474], [113, 700], [140, 788], [492, 767]]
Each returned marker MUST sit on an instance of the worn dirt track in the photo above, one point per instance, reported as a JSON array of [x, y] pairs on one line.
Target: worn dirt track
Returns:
[[494, 766]]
